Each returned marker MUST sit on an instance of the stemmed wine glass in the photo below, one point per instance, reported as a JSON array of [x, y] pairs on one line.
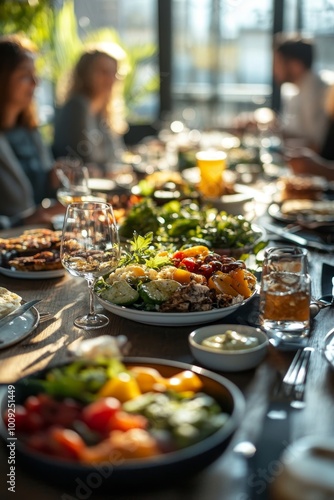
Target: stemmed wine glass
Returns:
[[90, 248]]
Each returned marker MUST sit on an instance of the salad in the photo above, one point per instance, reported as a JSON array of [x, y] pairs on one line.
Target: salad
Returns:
[[91, 410], [186, 223], [154, 278]]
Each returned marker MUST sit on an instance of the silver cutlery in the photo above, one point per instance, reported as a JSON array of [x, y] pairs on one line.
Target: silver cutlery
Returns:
[[297, 239], [294, 381]]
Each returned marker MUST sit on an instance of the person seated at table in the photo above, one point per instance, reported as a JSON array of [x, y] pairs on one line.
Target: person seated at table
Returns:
[[302, 120], [307, 162], [26, 173], [303, 116], [85, 125]]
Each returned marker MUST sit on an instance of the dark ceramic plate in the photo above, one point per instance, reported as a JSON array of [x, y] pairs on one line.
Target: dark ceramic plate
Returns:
[[161, 471]]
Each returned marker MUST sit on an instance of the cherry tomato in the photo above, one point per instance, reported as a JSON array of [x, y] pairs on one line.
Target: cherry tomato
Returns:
[[217, 265], [190, 264], [211, 256], [178, 256], [241, 264], [33, 404], [66, 442], [229, 267], [33, 422], [206, 270], [97, 414]]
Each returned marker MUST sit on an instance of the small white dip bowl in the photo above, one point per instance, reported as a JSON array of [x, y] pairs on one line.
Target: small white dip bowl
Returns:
[[229, 360]]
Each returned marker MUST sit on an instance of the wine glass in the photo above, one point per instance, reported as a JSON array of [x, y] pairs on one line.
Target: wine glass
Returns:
[[90, 248], [74, 178]]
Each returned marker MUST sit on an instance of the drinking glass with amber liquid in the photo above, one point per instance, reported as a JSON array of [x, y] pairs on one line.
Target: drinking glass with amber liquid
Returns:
[[211, 166], [285, 293]]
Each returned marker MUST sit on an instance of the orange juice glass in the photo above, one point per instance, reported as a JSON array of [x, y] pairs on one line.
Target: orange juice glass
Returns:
[[211, 165]]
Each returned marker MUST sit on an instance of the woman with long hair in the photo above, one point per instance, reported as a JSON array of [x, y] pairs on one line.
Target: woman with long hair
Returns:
[[25, 163], [85, 124]]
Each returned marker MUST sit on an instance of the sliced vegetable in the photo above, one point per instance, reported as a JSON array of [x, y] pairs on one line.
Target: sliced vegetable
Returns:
[[97, 415], [135, 443], [157, 292], [120, 293], [123, 387], [182, 276], [240, 282], [67, 442], [148, 379], [123, 421], [184, 381], [194, 251], [222, 283]]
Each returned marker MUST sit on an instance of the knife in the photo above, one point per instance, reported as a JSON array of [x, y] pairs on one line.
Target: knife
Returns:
[[18, 312], [295, 238], [272, 434]]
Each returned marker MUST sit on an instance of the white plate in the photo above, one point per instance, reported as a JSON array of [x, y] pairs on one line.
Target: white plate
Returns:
[[32, 275], [171, 319], [19, 328]]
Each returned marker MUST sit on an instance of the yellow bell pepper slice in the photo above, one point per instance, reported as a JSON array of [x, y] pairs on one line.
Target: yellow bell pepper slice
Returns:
[[184, 381], [122, 387]]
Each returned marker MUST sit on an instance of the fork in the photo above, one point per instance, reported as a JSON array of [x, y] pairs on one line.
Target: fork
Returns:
[[294, 381]]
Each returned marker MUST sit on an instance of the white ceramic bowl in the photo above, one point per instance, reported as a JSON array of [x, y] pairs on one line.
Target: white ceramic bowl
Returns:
[[228, 361], [234, 204]]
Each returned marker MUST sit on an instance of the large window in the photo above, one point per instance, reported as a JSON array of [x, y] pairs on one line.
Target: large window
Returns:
[[135, 22], [221, 57], [215, 55], [222, 53]]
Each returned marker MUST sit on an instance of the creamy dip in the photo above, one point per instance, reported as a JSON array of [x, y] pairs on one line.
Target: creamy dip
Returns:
[[230, 341]]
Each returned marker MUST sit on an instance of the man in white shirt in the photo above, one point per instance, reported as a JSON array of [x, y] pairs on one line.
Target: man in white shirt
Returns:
[[303, 115]]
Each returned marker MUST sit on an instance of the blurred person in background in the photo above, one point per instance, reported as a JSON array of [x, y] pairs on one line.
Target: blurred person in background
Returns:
[[303, 116], [26, 173], [86, 126], [302, 120], [305, 161]]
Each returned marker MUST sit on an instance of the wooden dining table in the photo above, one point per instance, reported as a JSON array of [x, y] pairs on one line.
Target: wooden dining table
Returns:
[[228, 477]]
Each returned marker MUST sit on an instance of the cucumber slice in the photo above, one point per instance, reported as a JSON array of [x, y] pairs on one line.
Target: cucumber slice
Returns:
[[120, 293], [158, 291]]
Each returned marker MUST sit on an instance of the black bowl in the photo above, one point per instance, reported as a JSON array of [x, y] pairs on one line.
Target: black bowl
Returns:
[[161, 471]]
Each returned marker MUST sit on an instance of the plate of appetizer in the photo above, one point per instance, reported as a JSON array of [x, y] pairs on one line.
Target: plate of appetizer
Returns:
[[303, 211], [129, 422], [19, 327], [33, 254], [172, 288]]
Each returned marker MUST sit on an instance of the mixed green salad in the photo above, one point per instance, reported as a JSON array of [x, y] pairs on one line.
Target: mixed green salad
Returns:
[[181, 223]]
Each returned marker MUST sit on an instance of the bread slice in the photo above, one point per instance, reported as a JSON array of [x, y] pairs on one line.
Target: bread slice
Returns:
[[9, 301]]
